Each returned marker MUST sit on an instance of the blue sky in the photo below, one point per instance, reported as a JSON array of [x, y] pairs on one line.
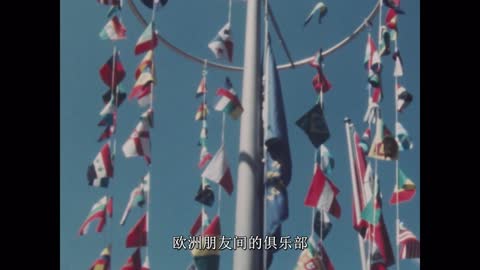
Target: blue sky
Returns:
[[175, 178]]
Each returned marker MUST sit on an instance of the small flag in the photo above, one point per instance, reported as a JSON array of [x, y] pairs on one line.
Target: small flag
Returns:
[[205, 195], [142, 86], [202, 112], [218, 171], [322, 10], [203, 135], [406, 191], [394, 4], [134, 262], [382, 249], [322, 223], [398, 70], [117, 94], [138, 144], [404, 98], [137, 236], [200, 222], [314, 125], [373, 209], [317, 59], [113, 30], [228, 102], [138, 197], [408, 242], [99, 211], [107, 74], [205, 157], [391, 19], [384, 145], [320, 82], [325, 159], [202, 87], [147, 117], [103, 263], [101, 168], [147, 62], [208, 258], [369, 51], [384, 41], [222, 44], [402, 137], [147, 41], [322, 191]]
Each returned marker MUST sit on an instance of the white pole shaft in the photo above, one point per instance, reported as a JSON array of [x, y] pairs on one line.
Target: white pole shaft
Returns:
[[355, 188], [249, 190]]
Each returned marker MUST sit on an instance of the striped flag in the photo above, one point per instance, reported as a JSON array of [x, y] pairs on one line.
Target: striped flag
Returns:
[[322, 192], [404, 98], [408, 242], [406, 191], [205, 157], [142, 85], [138, 197], [222, 44], [202, 87], [113, 30], [201, 221], [103, 263], [391, 19], [147, 41], [228, 102], [147, 62], [202, 112], [138, 144], [218, 171], [208, 258], [99, 211], [101, 169], [369, 51]]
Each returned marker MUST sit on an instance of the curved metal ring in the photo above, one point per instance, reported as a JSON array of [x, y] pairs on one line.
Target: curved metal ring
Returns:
[[304, 61]]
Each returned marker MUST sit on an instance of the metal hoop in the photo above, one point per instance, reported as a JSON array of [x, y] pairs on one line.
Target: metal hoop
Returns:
[[365, 24]]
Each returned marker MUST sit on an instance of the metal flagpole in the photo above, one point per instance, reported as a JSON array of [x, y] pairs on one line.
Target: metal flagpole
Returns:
[[348, 126], [247, 214]]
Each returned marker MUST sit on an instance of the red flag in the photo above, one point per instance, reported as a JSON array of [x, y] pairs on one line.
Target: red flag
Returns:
[[134, 262], [137, 236], [107, 74], [379, 235]]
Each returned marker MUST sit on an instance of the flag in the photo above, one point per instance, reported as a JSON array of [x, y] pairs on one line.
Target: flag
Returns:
[[147, 41], [404, 98], [384, 146], [275, 124], [218, 171], [222, 44], [205, 195], [138, 144], [208, 258], [113, 10], [408, 242], [276, 197], [143, 85], [373, 209], [406, 191], [205, 157], [147, 117], [322, 224], [314, 125], [111, 75], [325, 159], [317, 59], [110, 122], [200, 222], [369, 51], [102, 263], [384, 46], [138, 197], [391, 19], [146, 264], [147, 62], [228, 101], [398, 70], [137, 236], [202, 112], [109, 2], [365, 141], [328, 265], [313, 258], [134, 262], [322, 192], [117, 94], [322, 10], [394, 4], [149, 3], [113, 30], [202, 87], [403, 139], [372, 111], [203, 135], [101, 168], [377, 95], [382, 249], [98, 211], [320, 82]]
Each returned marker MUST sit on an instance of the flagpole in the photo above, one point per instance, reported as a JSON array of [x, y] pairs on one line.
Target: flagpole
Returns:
[[348, 126], [247, 214]]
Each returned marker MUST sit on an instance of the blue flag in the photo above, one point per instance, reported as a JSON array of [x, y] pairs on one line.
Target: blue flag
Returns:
[[276, 199]]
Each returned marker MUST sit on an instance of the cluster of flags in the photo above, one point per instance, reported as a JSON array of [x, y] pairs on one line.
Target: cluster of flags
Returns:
[[99, 173]]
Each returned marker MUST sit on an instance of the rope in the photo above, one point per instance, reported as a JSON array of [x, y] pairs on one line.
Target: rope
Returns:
[[229, 11]]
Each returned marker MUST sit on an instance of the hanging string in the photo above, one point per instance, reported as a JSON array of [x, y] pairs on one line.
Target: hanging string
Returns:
[[204, 126], [222, 145], [397, 221], [266, 96], [229, 11]]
